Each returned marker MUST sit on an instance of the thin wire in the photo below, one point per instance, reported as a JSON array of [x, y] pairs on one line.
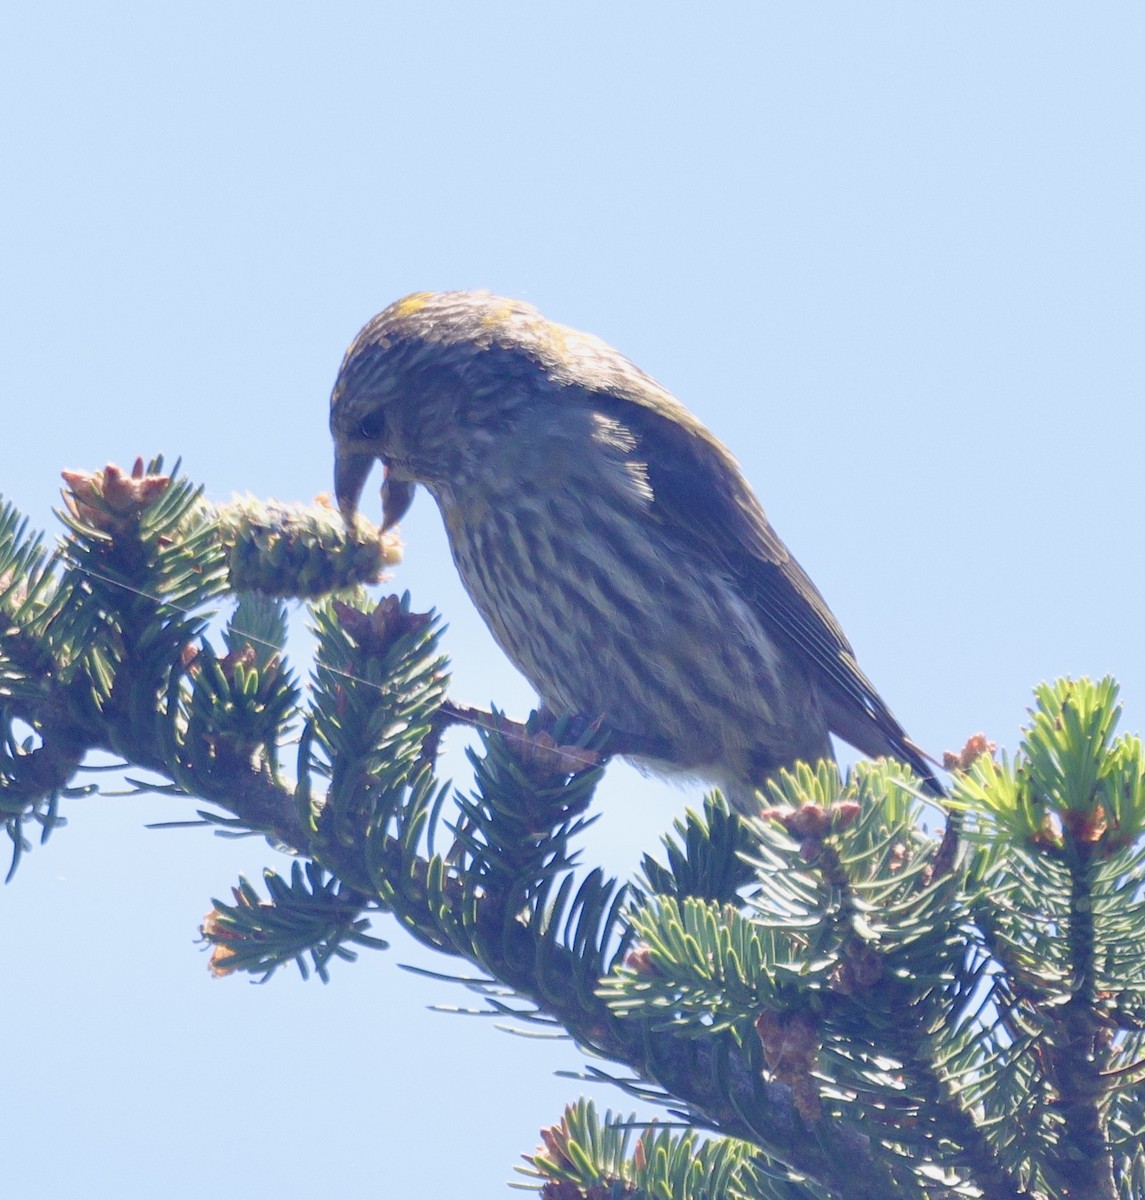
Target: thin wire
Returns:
[[460, 717]]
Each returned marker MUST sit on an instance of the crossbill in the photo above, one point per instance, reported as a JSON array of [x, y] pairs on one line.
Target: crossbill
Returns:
[[608, 539]]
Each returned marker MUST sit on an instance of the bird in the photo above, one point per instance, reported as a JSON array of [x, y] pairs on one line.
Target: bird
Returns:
[[608, 539]]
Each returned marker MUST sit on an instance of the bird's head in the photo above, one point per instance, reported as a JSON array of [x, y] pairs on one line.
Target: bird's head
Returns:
[[423, 387], [438, 381]]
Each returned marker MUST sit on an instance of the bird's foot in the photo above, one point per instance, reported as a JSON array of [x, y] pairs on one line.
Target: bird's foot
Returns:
[[546, 744]]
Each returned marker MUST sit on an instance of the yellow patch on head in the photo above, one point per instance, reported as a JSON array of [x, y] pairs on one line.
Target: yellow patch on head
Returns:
[[494, 318], [557, 339], [412, 304]]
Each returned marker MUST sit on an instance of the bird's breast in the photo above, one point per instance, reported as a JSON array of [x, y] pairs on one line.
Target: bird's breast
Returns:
[[602, 613]]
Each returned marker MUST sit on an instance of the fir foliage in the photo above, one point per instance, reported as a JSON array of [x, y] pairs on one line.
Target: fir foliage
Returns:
[[828, 999]]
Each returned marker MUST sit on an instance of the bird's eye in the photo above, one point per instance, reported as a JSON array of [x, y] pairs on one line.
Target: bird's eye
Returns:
[[372, 426]]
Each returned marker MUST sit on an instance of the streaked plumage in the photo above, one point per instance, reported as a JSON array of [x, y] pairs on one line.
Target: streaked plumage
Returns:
[[608, 539]]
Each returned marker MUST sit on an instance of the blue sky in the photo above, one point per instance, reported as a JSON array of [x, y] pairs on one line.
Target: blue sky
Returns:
[[891, 253]]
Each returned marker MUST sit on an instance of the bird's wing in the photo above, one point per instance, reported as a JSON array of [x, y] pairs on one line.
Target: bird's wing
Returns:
[[700, 495]]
